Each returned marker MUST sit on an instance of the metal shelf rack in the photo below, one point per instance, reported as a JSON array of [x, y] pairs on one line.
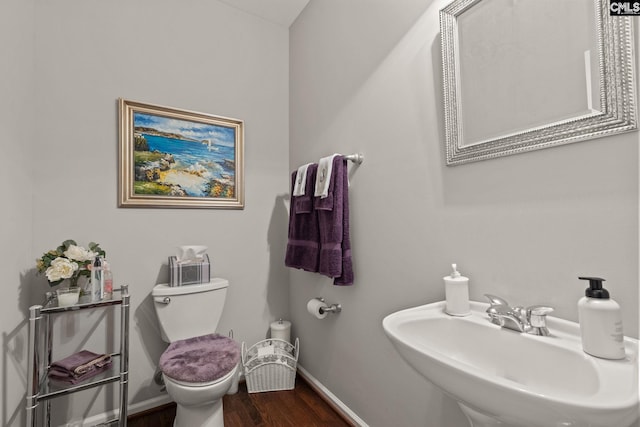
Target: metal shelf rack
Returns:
[[40, 389]]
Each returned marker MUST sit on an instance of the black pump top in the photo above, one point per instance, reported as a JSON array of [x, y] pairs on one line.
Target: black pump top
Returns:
[[595, 289]]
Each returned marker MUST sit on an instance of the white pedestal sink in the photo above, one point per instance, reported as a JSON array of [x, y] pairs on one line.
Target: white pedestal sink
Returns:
[[505, 378]]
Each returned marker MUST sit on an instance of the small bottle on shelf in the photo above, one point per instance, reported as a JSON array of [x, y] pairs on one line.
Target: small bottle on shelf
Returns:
[[97, 279], [108, 281]]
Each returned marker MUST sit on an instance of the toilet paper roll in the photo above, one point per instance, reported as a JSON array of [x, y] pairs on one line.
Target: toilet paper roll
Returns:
[[315, 307], [281, 330]]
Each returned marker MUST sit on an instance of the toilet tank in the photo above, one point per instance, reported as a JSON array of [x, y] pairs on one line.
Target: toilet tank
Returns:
[[191, 310]]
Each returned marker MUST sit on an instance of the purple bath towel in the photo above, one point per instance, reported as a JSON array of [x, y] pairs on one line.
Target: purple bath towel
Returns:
[[333, 220], [79, 366], [304, 238], [200, 359]]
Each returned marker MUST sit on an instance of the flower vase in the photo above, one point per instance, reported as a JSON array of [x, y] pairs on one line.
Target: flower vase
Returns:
[[84, 284], [72, 282]]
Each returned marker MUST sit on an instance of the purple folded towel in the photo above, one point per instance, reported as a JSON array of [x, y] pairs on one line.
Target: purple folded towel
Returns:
[[304, 238], [79, 366], [200, 359], [333, 220]]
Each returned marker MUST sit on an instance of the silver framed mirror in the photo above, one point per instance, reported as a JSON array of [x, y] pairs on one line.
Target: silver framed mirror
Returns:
[[530, 74]]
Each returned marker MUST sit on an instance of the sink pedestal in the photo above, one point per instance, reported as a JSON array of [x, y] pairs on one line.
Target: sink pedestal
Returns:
[[478, 419]]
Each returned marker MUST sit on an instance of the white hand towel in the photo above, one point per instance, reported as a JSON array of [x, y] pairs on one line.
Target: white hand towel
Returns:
[[323, 177], [301, 180]]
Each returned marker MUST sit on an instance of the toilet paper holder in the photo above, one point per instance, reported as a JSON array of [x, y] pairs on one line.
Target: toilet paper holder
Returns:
[[330, 308]]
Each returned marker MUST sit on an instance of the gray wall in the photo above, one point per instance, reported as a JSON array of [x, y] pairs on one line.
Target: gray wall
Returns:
[[66, 63], [366, 76], [17, 77]]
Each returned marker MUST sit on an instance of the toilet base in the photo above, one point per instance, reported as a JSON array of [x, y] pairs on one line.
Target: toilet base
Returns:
[[207, 415]]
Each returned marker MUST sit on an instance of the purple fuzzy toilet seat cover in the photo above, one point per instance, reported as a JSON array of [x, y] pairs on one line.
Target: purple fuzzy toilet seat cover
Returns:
[[200, 359]]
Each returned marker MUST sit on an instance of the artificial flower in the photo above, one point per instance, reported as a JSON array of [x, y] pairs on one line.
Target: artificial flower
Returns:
[[78, 253], [68, 261], [60, 269]]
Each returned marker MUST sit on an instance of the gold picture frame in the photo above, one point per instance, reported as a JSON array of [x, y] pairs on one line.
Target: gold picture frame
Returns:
[[171, 158]]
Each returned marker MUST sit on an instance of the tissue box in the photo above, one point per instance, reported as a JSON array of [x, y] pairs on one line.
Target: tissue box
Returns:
[[190, 272]]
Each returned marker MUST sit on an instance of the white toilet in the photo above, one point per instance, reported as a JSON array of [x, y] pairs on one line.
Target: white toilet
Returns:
[[199, 367]]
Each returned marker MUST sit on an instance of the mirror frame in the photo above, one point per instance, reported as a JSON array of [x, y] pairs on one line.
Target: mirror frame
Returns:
[[617, 93]]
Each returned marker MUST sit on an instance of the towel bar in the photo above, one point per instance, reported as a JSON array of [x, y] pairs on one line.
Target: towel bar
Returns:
[[356, 158]]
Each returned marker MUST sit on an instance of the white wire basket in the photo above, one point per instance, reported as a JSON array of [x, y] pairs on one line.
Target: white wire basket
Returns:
[[270, 365]]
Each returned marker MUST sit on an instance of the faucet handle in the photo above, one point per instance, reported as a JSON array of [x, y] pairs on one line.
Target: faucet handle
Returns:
[[494, 300], [537, 316], [539, 310], [521, 312]]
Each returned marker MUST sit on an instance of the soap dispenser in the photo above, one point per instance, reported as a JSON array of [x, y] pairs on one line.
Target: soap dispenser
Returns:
[[600, 322], [456, 289]]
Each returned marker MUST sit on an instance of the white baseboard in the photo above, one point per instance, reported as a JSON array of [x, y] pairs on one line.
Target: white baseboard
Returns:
[[336, 403], [133, 408], [154, 402]]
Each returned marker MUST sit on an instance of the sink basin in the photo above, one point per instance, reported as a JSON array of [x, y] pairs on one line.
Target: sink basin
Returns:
[[505, 378]]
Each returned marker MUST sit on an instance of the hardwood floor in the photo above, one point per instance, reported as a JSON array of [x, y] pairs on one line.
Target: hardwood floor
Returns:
[[300, 407]]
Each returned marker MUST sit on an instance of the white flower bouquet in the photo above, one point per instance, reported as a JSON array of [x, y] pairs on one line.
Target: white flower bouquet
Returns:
[[68, 261]]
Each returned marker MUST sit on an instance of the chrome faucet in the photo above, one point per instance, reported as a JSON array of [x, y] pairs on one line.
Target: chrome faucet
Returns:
[[532, 320]]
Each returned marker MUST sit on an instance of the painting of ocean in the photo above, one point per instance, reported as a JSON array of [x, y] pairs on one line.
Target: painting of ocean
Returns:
[[183, 158]]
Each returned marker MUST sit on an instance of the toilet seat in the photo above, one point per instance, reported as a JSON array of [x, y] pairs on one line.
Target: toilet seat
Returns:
[[200, 361], [201, 384]]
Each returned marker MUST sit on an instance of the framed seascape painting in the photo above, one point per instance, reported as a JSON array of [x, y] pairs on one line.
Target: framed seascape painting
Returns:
[[172, 158]]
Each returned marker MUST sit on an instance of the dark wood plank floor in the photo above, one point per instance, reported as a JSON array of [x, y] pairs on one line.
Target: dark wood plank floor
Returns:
[[300, 407]]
